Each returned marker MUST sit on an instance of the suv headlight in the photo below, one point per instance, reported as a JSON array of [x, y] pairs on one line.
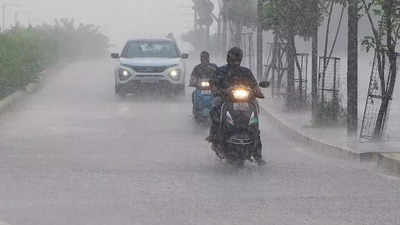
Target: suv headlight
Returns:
[[175, 74], [124, 74]]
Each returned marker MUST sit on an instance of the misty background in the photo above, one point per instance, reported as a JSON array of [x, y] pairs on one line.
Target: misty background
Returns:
[[119, 19], [125, 19]]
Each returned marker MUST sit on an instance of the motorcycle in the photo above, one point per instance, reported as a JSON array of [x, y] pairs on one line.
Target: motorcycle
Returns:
[[239, 126], [202, 101]]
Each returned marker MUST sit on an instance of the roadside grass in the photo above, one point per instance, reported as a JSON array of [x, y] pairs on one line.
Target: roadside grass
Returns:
[[25, 52]]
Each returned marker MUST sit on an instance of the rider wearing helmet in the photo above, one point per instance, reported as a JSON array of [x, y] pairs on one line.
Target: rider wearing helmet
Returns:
[[227, 76], [205, 70]]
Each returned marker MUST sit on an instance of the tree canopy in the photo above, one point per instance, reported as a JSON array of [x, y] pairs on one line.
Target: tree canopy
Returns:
[[240, 11], [299, 15]]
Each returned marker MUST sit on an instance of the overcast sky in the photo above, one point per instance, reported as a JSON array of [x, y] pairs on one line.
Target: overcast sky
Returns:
[[120, 19]]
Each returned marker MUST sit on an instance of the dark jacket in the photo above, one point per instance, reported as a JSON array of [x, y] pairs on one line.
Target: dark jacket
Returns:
[[203, 71], [227, 76]]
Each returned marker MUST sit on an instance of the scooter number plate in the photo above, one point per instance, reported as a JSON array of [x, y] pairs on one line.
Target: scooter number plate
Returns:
[[206, 92], [241, 106]]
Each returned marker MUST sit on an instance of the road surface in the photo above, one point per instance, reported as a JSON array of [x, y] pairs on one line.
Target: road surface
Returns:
[[74, 153]]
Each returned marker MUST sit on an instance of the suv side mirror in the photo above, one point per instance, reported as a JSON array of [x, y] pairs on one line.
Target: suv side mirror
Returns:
[[115, 55], [264, 84], [185, 56]]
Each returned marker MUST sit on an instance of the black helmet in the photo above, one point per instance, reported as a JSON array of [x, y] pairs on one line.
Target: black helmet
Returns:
[[205, 54], [205, 57], [235, 56]]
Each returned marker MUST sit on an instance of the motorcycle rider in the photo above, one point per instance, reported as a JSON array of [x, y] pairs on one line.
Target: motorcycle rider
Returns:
[[205, 70], [227, 76]]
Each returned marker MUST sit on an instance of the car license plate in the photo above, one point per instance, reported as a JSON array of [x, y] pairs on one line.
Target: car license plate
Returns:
[[206, 92], [241, 106]]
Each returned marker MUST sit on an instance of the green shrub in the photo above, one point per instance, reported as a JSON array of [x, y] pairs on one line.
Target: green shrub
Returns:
[[24, 52]]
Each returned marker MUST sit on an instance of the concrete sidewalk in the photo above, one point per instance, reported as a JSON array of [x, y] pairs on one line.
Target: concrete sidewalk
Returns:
[[331, 140]]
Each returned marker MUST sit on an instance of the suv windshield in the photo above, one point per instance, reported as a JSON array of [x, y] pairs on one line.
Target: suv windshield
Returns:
[[152, 49]]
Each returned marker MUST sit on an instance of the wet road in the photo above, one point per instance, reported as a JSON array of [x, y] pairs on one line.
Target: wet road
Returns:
[[73, 153]]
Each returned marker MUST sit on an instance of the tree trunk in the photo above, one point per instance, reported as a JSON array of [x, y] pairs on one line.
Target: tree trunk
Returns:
[[275, 57], [219, 36], [260, 47], [291, 69], [388, 8], [328, 26], [207, 38], [314, 68], [352, 69], [238, 34], [224, 35]]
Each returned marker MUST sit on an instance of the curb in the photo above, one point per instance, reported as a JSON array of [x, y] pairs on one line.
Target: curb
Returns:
[[317, 145], [389, 163], [386, 161], [18, 95], [6, 102]]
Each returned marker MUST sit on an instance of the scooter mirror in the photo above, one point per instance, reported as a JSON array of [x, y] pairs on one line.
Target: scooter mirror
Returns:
[[115, 55], [185, 56], [264, 84]]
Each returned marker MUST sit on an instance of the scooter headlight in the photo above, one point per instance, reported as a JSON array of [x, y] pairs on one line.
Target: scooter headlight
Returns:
[[205, 84], [240, 94]]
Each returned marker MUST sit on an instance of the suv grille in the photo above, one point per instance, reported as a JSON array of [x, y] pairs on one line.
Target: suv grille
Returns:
[[149, 69]]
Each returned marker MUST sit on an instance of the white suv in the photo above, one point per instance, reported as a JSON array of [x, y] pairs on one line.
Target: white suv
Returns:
[[157, 63]]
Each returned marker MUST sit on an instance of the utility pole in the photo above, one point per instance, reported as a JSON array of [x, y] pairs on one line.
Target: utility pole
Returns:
[[352, 71], [260, 14]]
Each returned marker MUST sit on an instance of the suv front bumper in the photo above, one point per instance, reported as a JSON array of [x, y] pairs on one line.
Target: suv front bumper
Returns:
[[138, 85]]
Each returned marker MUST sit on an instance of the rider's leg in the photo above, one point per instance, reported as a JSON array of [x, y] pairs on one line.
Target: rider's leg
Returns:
[[258, 157], [258, 153], [193, 101], [215, 120]]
